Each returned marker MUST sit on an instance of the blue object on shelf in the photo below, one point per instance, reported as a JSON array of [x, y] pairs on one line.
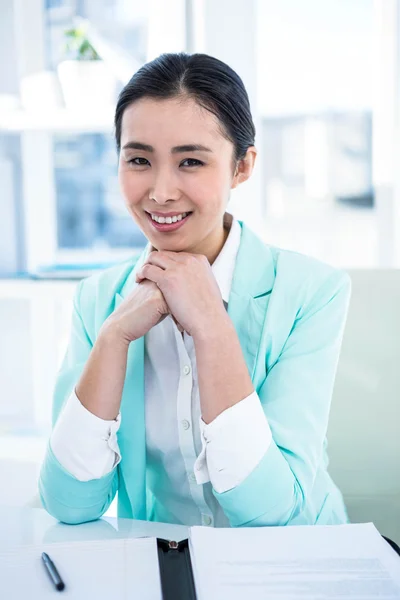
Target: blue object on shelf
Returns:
[[70, 271]]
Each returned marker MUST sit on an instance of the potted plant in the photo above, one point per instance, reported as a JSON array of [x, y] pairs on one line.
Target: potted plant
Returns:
[[85, 80]]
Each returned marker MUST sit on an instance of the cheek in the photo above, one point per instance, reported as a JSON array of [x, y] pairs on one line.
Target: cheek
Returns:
[[130, 187], [211, 188]]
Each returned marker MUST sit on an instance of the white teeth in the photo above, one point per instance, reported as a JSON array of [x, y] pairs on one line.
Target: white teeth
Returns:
[[169, 219]]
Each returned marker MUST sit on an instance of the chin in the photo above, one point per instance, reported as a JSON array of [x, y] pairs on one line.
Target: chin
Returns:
[[170, 246]]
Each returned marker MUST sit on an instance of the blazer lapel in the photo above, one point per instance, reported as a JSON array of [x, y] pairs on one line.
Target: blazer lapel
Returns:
[[130, 282], [131, 434], [253, 280]]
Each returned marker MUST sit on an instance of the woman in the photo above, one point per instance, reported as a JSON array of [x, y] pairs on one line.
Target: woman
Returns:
[[198, 378]]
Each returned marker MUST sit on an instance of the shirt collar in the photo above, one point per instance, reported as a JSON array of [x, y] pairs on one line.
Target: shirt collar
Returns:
[[224, 265]]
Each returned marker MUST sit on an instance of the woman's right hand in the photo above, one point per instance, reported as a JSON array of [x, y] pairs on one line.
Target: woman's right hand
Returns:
[[138, 313]]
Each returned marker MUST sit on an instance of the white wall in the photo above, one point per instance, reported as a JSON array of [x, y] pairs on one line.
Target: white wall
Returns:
[[364, 432]]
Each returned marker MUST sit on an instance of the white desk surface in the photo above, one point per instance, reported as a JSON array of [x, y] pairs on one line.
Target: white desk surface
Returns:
[[22, 526]]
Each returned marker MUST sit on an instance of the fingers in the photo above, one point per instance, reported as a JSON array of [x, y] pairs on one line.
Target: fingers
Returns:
[[150, 272], [164, 260], [155, 274], [168, 260], [157, 259]]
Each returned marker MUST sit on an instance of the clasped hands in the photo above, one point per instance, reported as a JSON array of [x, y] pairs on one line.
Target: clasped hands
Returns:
[[189, 289]]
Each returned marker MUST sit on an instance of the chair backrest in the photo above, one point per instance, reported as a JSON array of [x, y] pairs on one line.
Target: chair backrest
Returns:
[[364, 428]]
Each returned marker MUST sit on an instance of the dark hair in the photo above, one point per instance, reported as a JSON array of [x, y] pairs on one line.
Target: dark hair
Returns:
[[213, 84]]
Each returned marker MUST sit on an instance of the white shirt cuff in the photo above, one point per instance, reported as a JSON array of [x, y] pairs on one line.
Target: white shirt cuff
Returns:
[[85, 445], [233, 444]]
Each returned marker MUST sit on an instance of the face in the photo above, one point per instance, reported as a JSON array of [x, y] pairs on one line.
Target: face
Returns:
[[174, 160]]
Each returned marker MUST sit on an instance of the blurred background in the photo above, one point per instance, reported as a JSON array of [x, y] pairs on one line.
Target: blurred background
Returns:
[[323, 78]]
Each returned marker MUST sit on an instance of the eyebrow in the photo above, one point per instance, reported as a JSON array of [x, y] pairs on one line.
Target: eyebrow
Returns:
[[174, 150]]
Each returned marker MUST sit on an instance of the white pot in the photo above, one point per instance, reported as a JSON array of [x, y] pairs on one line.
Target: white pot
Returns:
[[86, 84]]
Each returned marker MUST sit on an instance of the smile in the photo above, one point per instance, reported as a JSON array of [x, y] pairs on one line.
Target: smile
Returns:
[[169, 219], [166, 224]]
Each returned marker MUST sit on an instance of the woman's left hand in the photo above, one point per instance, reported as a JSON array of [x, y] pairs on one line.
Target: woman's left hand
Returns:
[[189, 288]]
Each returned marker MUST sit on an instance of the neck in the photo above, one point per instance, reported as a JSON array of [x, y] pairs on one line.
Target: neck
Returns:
[[213, 245], [212, 255]]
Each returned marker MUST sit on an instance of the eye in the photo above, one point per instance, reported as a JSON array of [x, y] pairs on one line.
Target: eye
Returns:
[[194, 162], [132, 161]]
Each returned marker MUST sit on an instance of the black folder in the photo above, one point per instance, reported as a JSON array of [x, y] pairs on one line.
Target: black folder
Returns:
[[175, 570], [177, 582], [395, 547]]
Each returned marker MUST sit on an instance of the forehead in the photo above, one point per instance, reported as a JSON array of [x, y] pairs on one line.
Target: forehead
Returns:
[[168, 121]]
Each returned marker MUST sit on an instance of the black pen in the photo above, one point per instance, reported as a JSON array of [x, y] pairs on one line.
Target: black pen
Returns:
[[52, 571]]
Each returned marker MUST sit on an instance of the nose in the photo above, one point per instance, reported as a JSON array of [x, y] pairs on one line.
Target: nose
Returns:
[[164, 188]]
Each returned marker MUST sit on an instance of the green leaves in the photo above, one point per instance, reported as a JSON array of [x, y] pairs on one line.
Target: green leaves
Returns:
[[78, 46]]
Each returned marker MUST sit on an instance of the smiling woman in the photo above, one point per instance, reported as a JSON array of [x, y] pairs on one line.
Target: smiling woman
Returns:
[[182, 150], [195, 177], [198, 379]]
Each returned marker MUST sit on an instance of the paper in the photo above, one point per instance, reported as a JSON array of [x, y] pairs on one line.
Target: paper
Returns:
[[102, 570], [291, 563]]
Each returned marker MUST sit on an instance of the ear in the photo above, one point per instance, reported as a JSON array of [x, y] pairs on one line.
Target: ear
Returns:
[[244, 167]]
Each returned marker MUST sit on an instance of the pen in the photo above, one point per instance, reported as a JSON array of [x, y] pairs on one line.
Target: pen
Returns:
[[53, 573]]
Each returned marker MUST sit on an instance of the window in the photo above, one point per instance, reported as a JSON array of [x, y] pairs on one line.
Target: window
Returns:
[[90, 210], [73, 212], [91, 215], [315, 97]]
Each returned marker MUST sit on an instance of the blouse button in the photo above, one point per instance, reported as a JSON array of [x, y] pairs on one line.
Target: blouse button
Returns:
[[185, 424], [186, 370]]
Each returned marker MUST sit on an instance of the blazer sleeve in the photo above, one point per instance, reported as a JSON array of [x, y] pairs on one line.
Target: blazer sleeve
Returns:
[[296, 397], [63, 496]]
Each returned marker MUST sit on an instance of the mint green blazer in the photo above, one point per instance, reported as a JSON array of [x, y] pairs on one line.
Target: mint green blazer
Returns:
[[289, 312]]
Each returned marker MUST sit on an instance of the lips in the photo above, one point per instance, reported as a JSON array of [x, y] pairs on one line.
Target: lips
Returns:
[[167, 227]]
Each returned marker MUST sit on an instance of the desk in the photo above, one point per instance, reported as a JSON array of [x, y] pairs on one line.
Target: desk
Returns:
[[23, 526]]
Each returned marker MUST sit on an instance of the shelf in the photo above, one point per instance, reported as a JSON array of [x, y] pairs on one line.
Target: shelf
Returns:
[[57, 121], [14, 288]]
